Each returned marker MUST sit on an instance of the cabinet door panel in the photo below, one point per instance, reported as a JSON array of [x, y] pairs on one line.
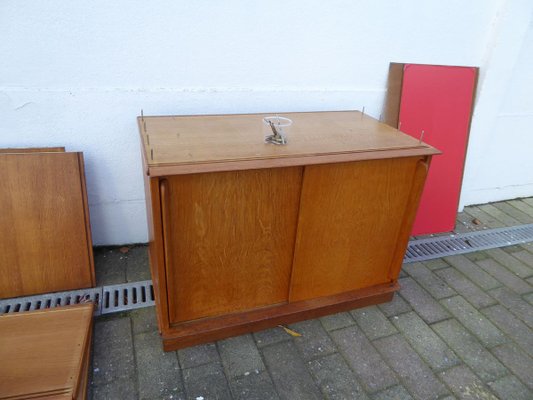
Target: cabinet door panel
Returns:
[[45, 242], [349, 224], [229, 240]]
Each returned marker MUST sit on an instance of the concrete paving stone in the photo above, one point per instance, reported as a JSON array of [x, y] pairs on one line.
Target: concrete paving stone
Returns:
[[437, 263], [522, 206], [206, 381], [368, 366], [111, 327], [396, 306], [109, 266], [314, 341], [468, 348], [240, 356], [528, 200], [336, 379], [198, 355], [373, 322], [426, 342], [270, 336], [137, 264], [426, 306], [462, 285], [513, 264], [158, 372], [528, 246], [486, 219], [515, 304], [466, 385], [517, 361], [462, 227], [509, 387], [429, 281], [143, 320], [123, 389], [506, 277], [529, 298], [476, 256], [530, 280], [393, 393], [473, 272], [464, 223], [113, 351], [403, 274], [511, 249], [511, 326], [289, 372], [525, 256], [500, 215], [337, 321], [416, 375], [253, 386], [473, 320], [513, 212]]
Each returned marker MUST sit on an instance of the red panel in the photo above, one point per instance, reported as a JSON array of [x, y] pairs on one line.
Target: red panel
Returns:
[[438, 100]]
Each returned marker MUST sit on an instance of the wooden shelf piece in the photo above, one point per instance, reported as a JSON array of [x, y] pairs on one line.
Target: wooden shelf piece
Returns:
[[45, 235], [45, 352]]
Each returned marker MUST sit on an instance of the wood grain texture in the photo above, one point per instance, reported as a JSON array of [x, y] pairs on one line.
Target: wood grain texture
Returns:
[[349, 223], [211, 329], [156, 250], [33, 150], [391, 107], [175, 144], [45, 242], [415, 194], [43, 352], [229, 240]]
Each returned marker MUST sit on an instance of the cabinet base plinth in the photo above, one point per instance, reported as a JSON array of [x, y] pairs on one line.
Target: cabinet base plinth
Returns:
[[206, 330]]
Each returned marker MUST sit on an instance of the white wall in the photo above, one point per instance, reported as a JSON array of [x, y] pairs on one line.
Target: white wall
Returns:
[[78, 73], [500, 156]]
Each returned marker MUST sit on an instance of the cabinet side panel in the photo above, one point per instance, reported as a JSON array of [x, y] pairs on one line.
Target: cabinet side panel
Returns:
[[350, 218], [230, 240], [44, 242], [156, 249], [417, 187]]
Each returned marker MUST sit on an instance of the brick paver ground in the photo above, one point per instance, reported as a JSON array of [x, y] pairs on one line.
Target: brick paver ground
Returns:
[[460, 328]]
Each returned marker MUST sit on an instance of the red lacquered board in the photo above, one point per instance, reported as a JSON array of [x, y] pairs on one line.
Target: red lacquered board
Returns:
[[438, 100]]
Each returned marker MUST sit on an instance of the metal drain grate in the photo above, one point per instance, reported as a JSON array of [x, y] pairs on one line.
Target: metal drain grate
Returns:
[[436, 247], [127, 296], [51, 300], [106, 299]]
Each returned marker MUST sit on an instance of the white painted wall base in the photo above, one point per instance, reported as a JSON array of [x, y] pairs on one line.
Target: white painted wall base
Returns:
[[76, 74]]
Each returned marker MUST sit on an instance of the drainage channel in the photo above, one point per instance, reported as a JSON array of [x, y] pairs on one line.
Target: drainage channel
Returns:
[[129, 296], [460, 243], [107, 299]]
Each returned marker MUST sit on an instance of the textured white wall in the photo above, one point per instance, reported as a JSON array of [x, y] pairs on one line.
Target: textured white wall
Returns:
[[78, 73], [500, 155]]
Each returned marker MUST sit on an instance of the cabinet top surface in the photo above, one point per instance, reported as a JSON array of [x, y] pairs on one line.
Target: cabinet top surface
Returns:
[[178, 141]]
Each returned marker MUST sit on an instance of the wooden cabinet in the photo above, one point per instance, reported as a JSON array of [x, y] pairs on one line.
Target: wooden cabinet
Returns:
[[246, 235]]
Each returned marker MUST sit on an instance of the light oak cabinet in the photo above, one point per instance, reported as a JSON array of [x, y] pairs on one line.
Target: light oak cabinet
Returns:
[[246, 235]]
